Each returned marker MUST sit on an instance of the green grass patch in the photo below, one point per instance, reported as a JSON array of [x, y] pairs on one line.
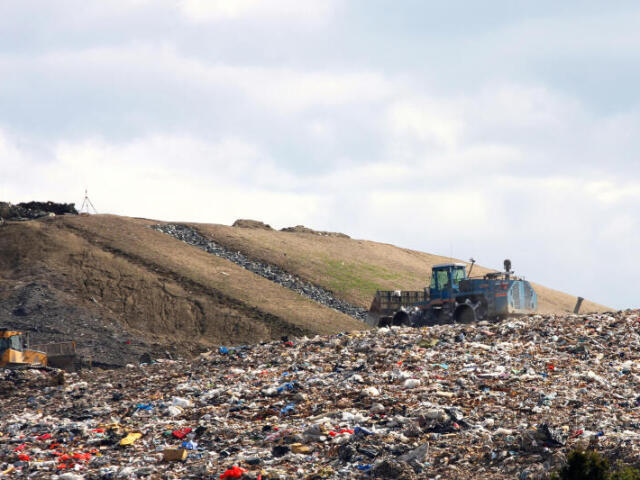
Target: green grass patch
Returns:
[[591, 465], [364, 278]]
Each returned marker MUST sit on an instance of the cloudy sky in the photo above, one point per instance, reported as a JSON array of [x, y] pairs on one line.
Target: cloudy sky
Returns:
[[488, 129]]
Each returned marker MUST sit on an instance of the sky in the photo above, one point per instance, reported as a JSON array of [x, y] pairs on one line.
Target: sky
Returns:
[[492, 130]]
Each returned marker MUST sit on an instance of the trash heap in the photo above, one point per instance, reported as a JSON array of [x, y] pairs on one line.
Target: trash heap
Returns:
[[488, 400], [32, 210]]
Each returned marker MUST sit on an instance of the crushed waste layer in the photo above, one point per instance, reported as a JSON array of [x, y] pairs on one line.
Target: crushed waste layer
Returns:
[[268, 271], [498, 400]]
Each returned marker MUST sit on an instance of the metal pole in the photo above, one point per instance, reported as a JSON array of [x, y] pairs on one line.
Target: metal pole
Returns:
[[578, 305]]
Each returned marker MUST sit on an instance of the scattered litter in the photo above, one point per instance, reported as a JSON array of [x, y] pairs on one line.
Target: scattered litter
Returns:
[[390, 403]]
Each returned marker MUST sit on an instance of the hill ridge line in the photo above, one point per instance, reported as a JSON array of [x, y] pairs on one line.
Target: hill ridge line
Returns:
[[266, 270]]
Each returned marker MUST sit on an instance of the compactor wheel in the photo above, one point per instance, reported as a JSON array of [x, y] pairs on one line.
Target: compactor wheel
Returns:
[[401, 319], [465, 314]]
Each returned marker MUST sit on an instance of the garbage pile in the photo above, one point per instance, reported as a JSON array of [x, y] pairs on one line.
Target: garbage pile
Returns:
[[32, 210], [489, 400]]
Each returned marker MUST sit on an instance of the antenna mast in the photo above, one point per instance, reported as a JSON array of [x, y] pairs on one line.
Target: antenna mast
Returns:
[[86, 203]]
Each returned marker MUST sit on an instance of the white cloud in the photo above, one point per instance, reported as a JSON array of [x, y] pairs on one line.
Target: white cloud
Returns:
[[604, 32], [427, 120], [611, 192], [17, 165], [308, 11], [226, 163], [167, 178], [141, 67]]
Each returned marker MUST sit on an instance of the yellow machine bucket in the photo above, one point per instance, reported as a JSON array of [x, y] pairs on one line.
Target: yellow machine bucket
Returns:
[[13, 352]]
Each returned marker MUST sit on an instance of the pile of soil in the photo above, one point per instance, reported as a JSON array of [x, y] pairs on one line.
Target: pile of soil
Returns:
[[303, 229], [255, 224]]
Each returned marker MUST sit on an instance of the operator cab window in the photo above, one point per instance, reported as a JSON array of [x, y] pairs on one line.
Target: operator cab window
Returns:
[[443, 279], [4, 344], [15, 343], [458, 274]]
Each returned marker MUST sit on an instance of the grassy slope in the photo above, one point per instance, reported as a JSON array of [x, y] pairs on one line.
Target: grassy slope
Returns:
[[155, 285], [355, 269]]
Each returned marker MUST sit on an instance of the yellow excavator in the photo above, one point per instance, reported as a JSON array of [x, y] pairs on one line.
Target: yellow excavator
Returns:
[[16, 353]]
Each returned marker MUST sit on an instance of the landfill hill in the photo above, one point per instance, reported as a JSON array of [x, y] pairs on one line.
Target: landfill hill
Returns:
[[504, 400], [355, 269], [121, 289]]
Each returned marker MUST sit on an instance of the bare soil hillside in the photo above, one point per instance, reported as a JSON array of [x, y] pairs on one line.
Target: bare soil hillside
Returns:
[[121, 289], [155, 290]]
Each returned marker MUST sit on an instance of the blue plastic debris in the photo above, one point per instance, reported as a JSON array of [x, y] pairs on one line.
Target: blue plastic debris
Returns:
[[286, 386], [288, 409], [223, 350]]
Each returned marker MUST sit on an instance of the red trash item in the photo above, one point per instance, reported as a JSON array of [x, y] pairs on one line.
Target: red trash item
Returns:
[[183, 432], [53, 445], [340, 432], [551, 366], [64, 457], [24, 457], [82, 456], [98, 430], [20, 447], [46, 436], [233, 472]]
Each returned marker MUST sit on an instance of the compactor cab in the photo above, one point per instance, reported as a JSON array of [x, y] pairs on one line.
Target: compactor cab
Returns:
[[445, 280], [14, 351]]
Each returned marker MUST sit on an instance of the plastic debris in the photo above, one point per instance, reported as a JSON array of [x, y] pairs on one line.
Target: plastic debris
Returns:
[[388, 403], [130, 439]]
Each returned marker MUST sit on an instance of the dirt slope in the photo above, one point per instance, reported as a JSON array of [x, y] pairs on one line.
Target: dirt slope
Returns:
[[355, 269], [159, 290], [120, 288]]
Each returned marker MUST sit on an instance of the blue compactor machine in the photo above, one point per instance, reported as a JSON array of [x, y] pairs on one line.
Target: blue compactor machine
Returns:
[[455, 297]]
